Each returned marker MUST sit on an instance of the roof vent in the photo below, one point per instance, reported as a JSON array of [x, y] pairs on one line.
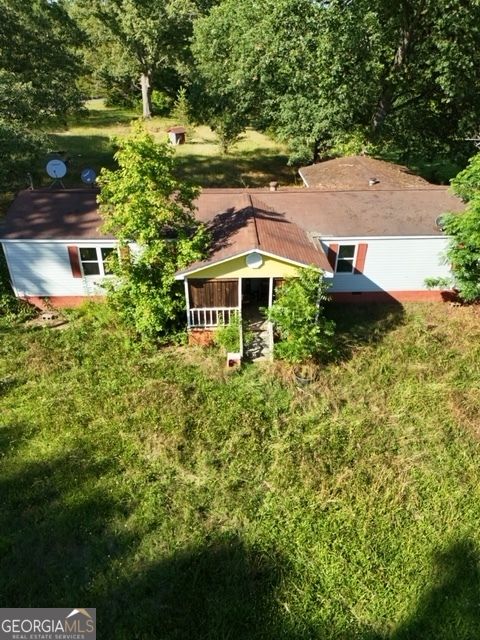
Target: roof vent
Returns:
[[439, 223], [273, 186], [373, 181]]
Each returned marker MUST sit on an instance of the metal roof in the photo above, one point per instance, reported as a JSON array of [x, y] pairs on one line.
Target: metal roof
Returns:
[[251, 225]]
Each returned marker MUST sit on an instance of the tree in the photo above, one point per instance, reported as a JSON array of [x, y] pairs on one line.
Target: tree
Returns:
[[402, 75], [145, 206], [181, 112], [147, 38], [464, 229], [298, 317], [38, 72]]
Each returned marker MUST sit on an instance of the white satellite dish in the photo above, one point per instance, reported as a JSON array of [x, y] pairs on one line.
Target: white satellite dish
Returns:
[[56, 169], [254, 260], [88, 176]]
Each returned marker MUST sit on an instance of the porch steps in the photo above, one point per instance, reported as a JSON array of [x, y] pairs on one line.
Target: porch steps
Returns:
[[259, 349]]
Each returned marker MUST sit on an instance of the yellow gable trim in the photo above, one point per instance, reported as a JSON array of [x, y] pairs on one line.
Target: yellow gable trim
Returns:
[[237, 268]]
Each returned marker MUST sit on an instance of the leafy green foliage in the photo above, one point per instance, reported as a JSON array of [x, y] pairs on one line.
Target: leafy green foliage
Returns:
[[38, 71], [298, 316], [147, 208], [402, 75], [181, 112], [227, 335], [138, 41], [463, 252], [11, 308]]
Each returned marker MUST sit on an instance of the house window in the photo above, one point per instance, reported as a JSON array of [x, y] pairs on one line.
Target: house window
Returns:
[[345, 258], [94, 260]]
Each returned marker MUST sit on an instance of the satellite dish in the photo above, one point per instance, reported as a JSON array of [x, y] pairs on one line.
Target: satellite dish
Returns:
[[254, 260], [56, 169], [88, 176]]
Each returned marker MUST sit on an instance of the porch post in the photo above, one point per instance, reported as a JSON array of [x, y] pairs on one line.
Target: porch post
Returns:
[[187, 300], [240, 296], [270, 325]]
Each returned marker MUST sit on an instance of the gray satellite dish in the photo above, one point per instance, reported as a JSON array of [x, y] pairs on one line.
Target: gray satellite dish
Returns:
[[56, 169], [88, 176]]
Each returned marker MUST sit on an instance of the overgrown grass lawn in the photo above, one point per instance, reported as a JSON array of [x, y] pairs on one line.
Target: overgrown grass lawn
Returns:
[[253, 162], [186, 502]]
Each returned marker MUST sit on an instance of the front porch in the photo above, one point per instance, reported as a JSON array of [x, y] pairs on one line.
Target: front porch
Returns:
[[211, 303]]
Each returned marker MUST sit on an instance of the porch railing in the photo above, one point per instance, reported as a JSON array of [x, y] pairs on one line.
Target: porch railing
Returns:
[[211, 316]]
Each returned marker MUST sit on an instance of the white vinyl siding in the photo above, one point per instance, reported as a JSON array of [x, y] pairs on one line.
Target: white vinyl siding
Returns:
[[43, 269], [394, 264]]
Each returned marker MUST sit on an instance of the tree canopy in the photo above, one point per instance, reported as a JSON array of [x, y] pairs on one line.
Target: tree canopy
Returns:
[[150, 211], [39, 67], [402, 75], [141, 43]]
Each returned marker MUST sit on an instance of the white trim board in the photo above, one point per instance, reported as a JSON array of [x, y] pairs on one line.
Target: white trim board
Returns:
[[104, 241], [186, 273], [323, 238]]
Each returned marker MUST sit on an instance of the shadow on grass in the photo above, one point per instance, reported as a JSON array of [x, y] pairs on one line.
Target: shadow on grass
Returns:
[[63, 541], [54, 535], [363, 324], [223, 589], [108, 117], [255, 168], [451, 609]]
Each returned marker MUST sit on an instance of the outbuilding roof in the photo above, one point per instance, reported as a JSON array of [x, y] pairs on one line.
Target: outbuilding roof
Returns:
[[358, 172], [44, 214], [250, 225]]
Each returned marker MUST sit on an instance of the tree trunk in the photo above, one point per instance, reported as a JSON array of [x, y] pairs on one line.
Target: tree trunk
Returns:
[[146, 94], [385, 102]]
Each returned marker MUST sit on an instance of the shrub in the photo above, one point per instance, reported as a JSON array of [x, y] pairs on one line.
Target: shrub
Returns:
[[298, 317], [228, 335]]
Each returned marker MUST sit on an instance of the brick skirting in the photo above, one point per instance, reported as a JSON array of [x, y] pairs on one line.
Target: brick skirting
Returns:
[[394, 296], [60, 302]]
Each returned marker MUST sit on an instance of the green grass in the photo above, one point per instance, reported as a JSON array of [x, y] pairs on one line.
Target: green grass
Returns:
[[253, 162], [186, 502]]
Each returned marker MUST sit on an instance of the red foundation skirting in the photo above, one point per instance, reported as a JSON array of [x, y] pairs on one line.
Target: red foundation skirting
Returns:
[[395, 296], [62, 302], [202, 337]]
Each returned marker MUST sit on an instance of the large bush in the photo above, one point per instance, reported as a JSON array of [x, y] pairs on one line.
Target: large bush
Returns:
[[299, 319], [463, 252], [144, 204]]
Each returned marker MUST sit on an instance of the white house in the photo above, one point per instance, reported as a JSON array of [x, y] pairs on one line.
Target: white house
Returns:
[[371, 244], [53, 246]]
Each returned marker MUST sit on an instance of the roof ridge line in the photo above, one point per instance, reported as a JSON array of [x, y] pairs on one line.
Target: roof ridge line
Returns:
[[252, 208]]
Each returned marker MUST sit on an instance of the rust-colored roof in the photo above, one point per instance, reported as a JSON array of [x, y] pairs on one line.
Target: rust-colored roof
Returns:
[[355, 172], [249, 225], [399, 212], [44, 214], [177, 129], [72, 213]]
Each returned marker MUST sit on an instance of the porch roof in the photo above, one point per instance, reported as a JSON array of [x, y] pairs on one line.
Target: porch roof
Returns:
[[251, 225]]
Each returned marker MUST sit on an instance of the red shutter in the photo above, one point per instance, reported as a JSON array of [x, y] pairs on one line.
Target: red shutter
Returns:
[[74, 261], [332, 255], [361, 255]]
